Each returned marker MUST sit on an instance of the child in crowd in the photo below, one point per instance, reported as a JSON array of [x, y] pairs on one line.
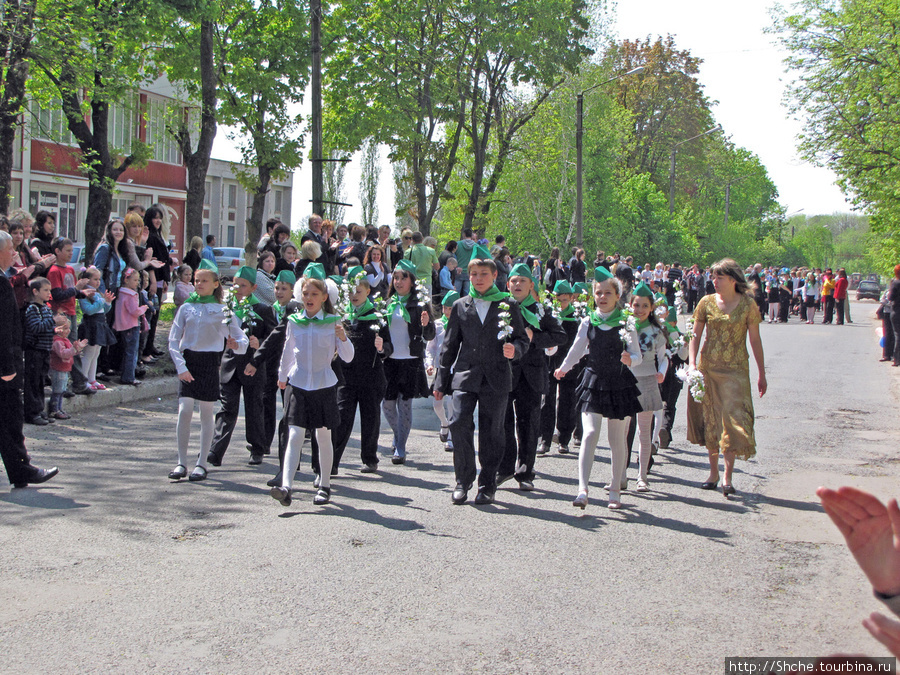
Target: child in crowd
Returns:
[[312, 338], [269, 355], [62, 356], [183, 286], [608, 388], [40, 328], [94, 327], [64, 291], [443, 408], [650, 373], [196, 340], [409, 318], [129, 317], [363, 377]]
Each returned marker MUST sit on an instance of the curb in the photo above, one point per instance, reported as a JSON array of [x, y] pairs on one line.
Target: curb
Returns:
[[121, 394]]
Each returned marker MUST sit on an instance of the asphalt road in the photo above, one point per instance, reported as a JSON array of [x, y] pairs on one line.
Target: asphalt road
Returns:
[[111, 568]]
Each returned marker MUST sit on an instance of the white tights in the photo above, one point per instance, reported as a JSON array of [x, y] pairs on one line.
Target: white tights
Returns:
[[441, 411], [617, 433], [660, 416], [644, 424], [294, 448], [89, 362], [183, 428]]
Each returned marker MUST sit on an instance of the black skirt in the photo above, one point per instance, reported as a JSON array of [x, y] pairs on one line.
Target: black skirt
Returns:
[[96, 331], [315, 409], [204, 367], [405, 378], [612, 399], [810, 301]]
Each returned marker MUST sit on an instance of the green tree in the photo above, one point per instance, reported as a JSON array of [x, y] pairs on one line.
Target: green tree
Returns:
[[91, 58], [16, 33], [846, 91], [370, 173], [267, 73]]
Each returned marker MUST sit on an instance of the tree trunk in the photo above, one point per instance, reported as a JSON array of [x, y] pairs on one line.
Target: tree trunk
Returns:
[[257, 211], [16, 32], [99, 208], [198, 161]]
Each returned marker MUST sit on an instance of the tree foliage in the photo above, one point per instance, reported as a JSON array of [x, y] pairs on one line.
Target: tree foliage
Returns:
[[846, 58]]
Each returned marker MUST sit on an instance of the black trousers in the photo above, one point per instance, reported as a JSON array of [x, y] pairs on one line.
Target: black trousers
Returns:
[[692, 298], [523, 415], [670, 390], [368, 399], [839, 310], [895, 324], [559, 413], [37, 368], [226, 418], [491, 443], [829, 309], [12, 440], [270, 389], [148, 346]]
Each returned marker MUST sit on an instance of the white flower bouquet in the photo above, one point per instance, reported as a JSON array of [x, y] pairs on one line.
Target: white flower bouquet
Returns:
[[694, 379]]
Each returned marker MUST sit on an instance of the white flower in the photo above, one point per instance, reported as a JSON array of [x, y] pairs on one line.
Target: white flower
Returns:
[[694, 379]]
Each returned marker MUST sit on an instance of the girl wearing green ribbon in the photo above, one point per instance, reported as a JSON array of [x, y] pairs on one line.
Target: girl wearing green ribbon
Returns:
[[607, 388], [312, 338], [197, 338], [411, 326]]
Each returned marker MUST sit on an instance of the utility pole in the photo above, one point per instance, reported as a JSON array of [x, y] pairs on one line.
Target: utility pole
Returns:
[[315, 52]]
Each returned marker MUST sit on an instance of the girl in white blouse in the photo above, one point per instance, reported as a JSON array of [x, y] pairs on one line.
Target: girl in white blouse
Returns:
[[199, 334], [312, 337]]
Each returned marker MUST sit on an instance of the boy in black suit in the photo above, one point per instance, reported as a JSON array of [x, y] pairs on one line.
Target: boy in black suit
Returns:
[[485, 332], [530, 381], [257, 321]]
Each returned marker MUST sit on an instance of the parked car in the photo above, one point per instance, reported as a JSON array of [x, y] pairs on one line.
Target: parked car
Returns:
[[229, 260], [868, 289], [77, 262]]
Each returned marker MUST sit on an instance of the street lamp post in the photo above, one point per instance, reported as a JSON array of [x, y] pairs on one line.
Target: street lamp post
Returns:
[[579, 132], [672, 164]]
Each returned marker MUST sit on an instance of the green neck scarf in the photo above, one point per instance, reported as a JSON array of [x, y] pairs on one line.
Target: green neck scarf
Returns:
[[491, 295], [641, 325], [365, 312], [244, 309], [398, 301], [527, 314], [301, 320], [279, 310], [444, 320], [568, 314], [193, 298], [616, 319]]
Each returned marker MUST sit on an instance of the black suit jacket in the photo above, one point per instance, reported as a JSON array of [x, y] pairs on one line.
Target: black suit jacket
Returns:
[[235, 363], [534, 365], [269, 352], [366, 369], [10, 330], [472, 355], [419, 334]]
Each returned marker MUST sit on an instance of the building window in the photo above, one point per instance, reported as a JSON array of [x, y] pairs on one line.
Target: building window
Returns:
[[231, 231], [164, 146], [51, 123], [62, 205], [232, 196], [278, 198], [123, 123]]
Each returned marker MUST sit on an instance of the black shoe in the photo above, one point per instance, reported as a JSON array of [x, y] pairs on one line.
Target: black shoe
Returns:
[[198, 474], [274, 482], [38, 421], [254, 460], [212, 460], [102, 377], [140, 372], [460, 494], [728, 490], [323, 496], [484, 496], [502, 479], [543, 449], [281, 494], [371, 467], [68, 394], [397, 459], [178, 472], [709, 485], [42, 476], [84, 391], [665, 437], [526, 485]]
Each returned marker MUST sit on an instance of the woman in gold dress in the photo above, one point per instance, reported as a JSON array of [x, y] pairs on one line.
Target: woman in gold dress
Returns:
[[723, 420]]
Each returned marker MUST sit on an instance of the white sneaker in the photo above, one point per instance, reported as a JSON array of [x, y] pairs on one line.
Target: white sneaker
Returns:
[[448, 446]]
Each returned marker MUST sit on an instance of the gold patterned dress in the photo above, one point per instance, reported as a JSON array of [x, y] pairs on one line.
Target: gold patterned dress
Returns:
[[723, 421]]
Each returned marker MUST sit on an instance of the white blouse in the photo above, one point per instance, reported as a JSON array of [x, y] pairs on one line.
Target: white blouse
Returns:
[[201, 327], [580, 346], [399, 336], [307, 355], [433, 348]]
